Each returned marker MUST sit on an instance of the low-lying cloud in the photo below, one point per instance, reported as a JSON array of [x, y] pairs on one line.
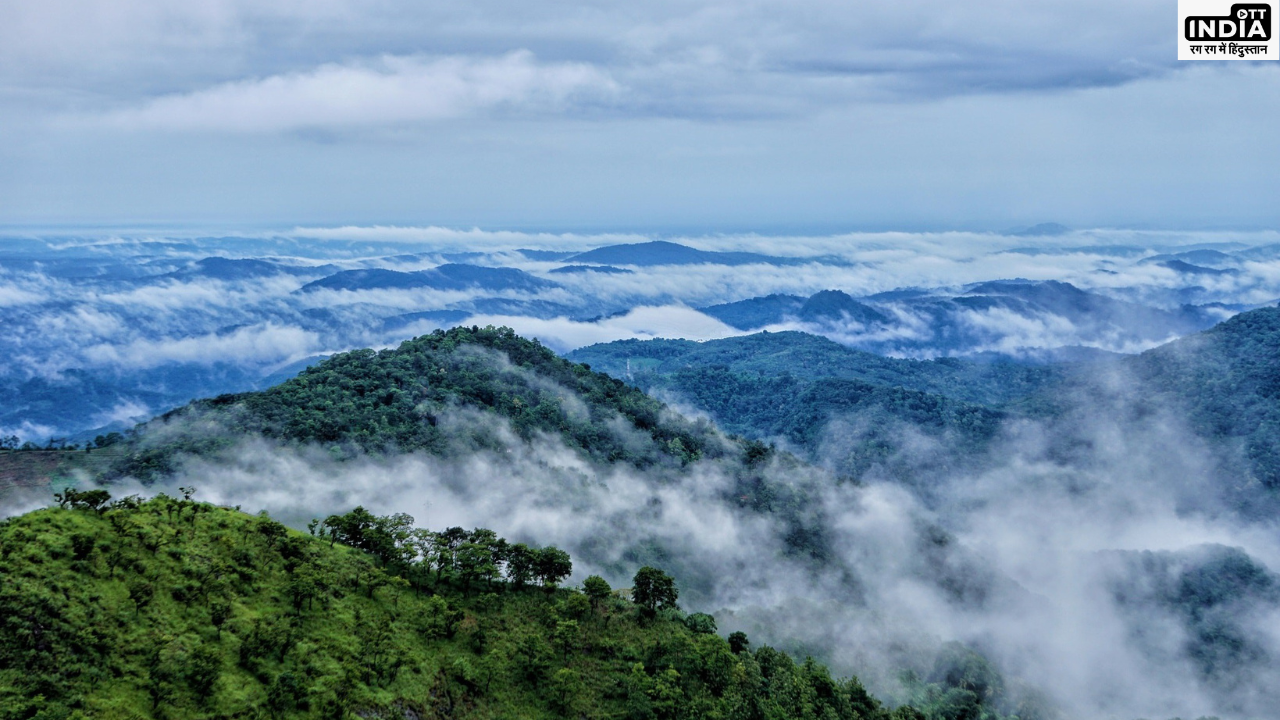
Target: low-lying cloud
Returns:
[[642, 323], [261, 344]]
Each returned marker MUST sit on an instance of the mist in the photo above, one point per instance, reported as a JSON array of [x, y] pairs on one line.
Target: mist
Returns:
[[1050, 554]]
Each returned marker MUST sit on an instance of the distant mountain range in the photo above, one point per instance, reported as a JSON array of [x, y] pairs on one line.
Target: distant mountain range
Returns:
[[806, 356], [983, 317], [130, 333], [661, 252], [445, 277], [219, 268]]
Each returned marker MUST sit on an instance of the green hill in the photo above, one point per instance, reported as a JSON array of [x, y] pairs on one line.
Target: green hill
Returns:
[[791, 385], [808, 356], [172, 608], [801, 412], [1224, 382], [394, 400]]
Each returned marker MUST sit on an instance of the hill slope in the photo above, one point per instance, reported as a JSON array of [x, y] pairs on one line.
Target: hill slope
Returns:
[[1227, 379], [172, 608], [1224, 383], [850, 410]]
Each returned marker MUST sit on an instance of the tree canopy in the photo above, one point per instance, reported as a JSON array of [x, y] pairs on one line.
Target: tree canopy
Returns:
[[176, 608]]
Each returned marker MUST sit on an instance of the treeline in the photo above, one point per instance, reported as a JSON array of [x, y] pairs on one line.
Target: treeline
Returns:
[[466, 558], [173, 608], [15, 443]]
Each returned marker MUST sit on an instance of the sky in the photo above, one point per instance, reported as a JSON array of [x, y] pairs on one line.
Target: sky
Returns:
[[665, 116]]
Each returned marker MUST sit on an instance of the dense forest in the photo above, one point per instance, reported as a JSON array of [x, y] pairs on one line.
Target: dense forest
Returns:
[[173, 608], [800, 412], [791, 386], [1227, 380]]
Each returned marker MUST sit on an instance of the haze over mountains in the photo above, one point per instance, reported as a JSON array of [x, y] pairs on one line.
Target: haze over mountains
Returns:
[[104, 331]]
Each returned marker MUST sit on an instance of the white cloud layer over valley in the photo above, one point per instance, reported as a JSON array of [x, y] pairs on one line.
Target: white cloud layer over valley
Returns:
[[123, 306]]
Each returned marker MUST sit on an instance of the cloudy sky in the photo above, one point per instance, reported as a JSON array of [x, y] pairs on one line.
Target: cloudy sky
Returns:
[[668, 115]]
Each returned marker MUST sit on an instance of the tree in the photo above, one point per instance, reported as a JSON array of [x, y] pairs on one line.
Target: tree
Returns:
[[205, 666], [140, 592], [421, 551], [271, 530], [445, 543], [107, 440], [284, 693], [531, 656], [88, 499], [520, 562], [552, 565], [575, 606], [350, 529], [654, 590], [738, 642], [566, 686], [566, 635], [701, 623], [475, 562], [597, 589]]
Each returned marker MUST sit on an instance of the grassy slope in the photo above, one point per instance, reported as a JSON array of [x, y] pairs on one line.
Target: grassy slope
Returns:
[[111, 615]]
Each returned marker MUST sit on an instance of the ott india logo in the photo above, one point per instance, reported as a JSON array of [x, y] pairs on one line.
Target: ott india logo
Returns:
[[1223, 30]]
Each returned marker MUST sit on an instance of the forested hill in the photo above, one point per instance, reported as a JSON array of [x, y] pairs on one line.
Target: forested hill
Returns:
[[792, 385], [807, 356], [172, 608], [417, 398], [1225, 382], [1227, 379]]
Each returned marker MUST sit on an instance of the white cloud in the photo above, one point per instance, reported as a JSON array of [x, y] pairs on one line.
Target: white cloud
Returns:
[[685, 56], [125, 411], [259, 344], [386, 91], [10, 296], [643, 323]]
